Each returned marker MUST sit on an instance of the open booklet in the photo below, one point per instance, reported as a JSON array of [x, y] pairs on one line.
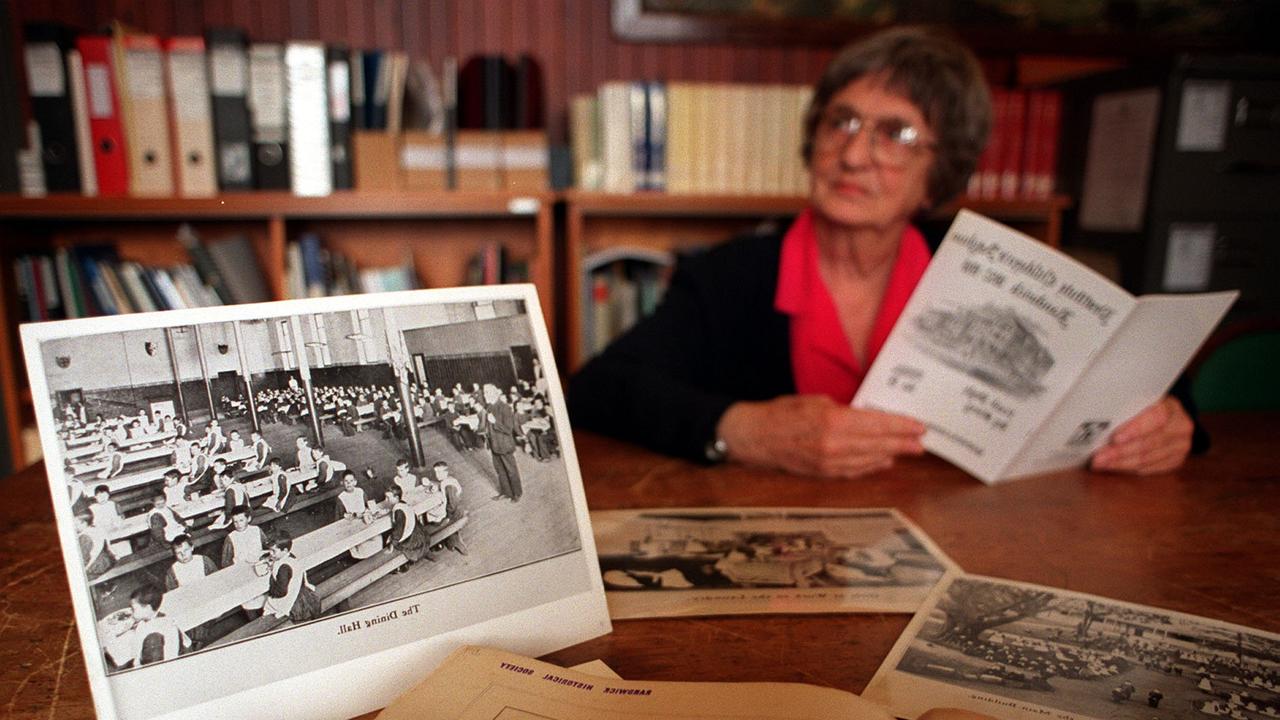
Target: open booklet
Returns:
[[1020, 360]]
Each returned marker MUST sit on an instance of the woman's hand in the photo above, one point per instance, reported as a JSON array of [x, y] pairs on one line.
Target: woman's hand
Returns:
[[1155, 440], [814, 435]]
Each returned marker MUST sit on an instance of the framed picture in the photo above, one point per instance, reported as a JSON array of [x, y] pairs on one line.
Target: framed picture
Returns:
[[303, 506], [1117, 27]]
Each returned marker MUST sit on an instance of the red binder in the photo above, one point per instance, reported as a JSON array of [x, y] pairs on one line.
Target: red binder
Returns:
[[103, 105]]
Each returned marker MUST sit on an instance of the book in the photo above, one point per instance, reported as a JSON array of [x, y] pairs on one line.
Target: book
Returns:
[[144, 107], [12, 131], [338, 62], [310, 168], [45, 55], [1020, 360], [80, 110], [238, 269], [190, 117], [204, 265], [229, 88], [268, 102], [106, 126]]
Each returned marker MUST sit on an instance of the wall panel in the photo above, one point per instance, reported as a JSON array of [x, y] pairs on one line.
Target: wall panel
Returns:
[[572, 39]]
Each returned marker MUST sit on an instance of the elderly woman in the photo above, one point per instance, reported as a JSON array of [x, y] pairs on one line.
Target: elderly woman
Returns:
[[761, 343]]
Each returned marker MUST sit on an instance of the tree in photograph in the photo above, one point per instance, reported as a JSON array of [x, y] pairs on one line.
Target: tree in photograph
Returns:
[[973, 607], [1092, 612]]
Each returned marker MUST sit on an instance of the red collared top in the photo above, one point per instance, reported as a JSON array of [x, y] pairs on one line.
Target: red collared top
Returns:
[[822, 357]]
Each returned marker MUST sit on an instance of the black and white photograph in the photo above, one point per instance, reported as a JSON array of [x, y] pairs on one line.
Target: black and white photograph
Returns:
[[727, 561], [297, 484], [995, 345], [995, 647]]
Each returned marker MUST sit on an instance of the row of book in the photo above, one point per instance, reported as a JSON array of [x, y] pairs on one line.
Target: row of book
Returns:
[[92, 280], [624, 285], [690, 138], [314, 270], [127, 113], [1021, 159]]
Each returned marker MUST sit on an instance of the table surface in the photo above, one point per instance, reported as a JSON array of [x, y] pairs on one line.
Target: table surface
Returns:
[[1204, 540]]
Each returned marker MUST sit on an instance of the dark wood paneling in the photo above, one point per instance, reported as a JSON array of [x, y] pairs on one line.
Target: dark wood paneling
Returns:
[[572, 39]]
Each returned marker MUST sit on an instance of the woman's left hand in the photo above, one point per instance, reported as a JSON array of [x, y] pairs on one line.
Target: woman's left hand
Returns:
[[1155, 440]]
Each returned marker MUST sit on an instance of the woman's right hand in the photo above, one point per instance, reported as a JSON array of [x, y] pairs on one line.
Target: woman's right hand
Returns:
[[814, 435]]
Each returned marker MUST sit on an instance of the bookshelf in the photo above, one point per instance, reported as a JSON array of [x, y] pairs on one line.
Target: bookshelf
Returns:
[[440, 230], [649, 222]]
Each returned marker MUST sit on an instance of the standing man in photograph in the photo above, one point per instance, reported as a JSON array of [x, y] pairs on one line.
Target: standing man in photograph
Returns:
[[502, 442]]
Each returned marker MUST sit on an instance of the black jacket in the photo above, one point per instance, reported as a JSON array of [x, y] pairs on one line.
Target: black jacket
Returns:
[[716, 339]]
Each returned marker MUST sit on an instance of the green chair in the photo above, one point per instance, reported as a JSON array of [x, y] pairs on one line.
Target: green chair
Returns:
[[1240, 373]]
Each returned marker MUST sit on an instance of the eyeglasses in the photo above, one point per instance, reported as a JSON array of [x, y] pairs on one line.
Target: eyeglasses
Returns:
[[893, 141]]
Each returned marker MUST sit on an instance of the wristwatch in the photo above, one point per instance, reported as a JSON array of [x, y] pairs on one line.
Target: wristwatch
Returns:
[[716, 451]]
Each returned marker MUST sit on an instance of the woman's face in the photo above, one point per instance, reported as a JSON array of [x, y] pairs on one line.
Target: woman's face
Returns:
[[848, 185]]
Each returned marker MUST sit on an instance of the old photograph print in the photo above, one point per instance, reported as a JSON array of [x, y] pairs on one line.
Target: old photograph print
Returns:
[[232, 479], [995, 345], [736, 560], [1091, 657]]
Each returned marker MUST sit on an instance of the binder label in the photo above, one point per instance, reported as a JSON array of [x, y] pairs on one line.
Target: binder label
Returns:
[[98, 76], [45, 76], [339, 91], [146, 74], [227, 71]]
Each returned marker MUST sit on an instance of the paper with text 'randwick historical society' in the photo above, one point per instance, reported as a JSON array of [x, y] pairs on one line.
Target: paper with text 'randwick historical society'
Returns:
[[478, 683], [1021, 360], [1010, 649], [463, 519], [729, 561]]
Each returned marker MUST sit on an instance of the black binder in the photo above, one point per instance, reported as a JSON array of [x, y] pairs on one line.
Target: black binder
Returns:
[[11, 132], [270, 131], [340, 118], [49, 87], [228, 86]]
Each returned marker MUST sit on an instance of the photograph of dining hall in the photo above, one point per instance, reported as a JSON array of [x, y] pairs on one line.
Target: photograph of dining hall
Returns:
[[235, 478]]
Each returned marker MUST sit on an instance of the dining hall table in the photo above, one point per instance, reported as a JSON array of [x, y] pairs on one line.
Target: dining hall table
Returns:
[[1202, 540]]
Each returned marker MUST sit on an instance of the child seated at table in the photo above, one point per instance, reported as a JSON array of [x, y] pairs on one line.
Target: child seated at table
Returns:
[[115, 462], [234, 495], [103, 509], [243, 546], [352, 504], [175, 488], [289, 595], [406, 532], [281, 497], [235, 441], [156, 637], [93, 546], [452, 489], [163, 522], [404, 479]]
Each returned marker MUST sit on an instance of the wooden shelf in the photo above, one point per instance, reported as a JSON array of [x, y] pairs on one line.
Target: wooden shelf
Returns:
[[263, 205], [438, 230], [658, 221]]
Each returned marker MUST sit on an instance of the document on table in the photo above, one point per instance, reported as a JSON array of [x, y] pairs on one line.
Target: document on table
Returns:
[[477, 683], [1016, 650], [729, 561]]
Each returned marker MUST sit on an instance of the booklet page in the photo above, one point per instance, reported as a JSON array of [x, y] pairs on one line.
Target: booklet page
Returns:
[[1000, 327], [1135, 370]]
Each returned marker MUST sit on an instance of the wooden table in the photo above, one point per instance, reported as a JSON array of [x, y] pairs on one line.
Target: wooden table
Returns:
[[1205, 540]]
